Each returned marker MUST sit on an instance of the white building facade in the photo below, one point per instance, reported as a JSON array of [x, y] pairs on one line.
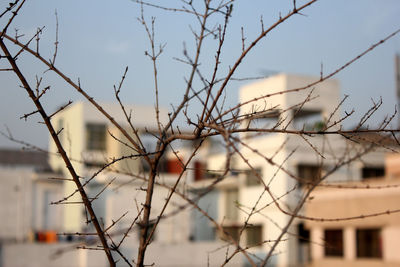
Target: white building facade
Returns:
[[284, 162]]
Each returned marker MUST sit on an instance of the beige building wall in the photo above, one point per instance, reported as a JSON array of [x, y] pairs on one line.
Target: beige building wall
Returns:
[[73, 121], [372, 196], [280, 182]]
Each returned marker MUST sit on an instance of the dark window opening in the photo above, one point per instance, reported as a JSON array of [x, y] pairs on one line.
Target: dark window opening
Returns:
[[96, 137], [303, 233], [231, 200], [149, 230], [308, 174], [254, 235], [253, 177], [308, 120], [145, 165], [173, 166], [369, 243], [373, 172], [90, 164], [162, 165], [211, 175], [199, 170], [333, 242], [232, 231], [265, 119], [304, 249]]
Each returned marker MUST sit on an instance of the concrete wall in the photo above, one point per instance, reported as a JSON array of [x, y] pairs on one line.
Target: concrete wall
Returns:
[[197, 254], [382, 196], [123, 197], [45, 255], [73, 120], [25, 198], [16, 203]]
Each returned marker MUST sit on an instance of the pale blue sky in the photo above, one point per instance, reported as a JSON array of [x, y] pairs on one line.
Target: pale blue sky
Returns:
[[99, 38]]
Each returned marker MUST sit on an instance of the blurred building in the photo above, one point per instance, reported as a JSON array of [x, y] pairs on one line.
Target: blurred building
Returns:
[[286, 163], [25, 195], [91, 141]]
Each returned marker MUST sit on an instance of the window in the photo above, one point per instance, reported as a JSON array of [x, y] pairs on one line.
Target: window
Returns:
[[304, 249], [308, 120], [94, 164], [369, 243], [232, 231], [211, 174], [266, 119], [254, 235], [263, 120], [149, 230], [333, 242], [253, 177], [164, 165], [308, 173], [201, 229], [170, 165], [372, 172], [95, 137], [303, 234], [231, 199]]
